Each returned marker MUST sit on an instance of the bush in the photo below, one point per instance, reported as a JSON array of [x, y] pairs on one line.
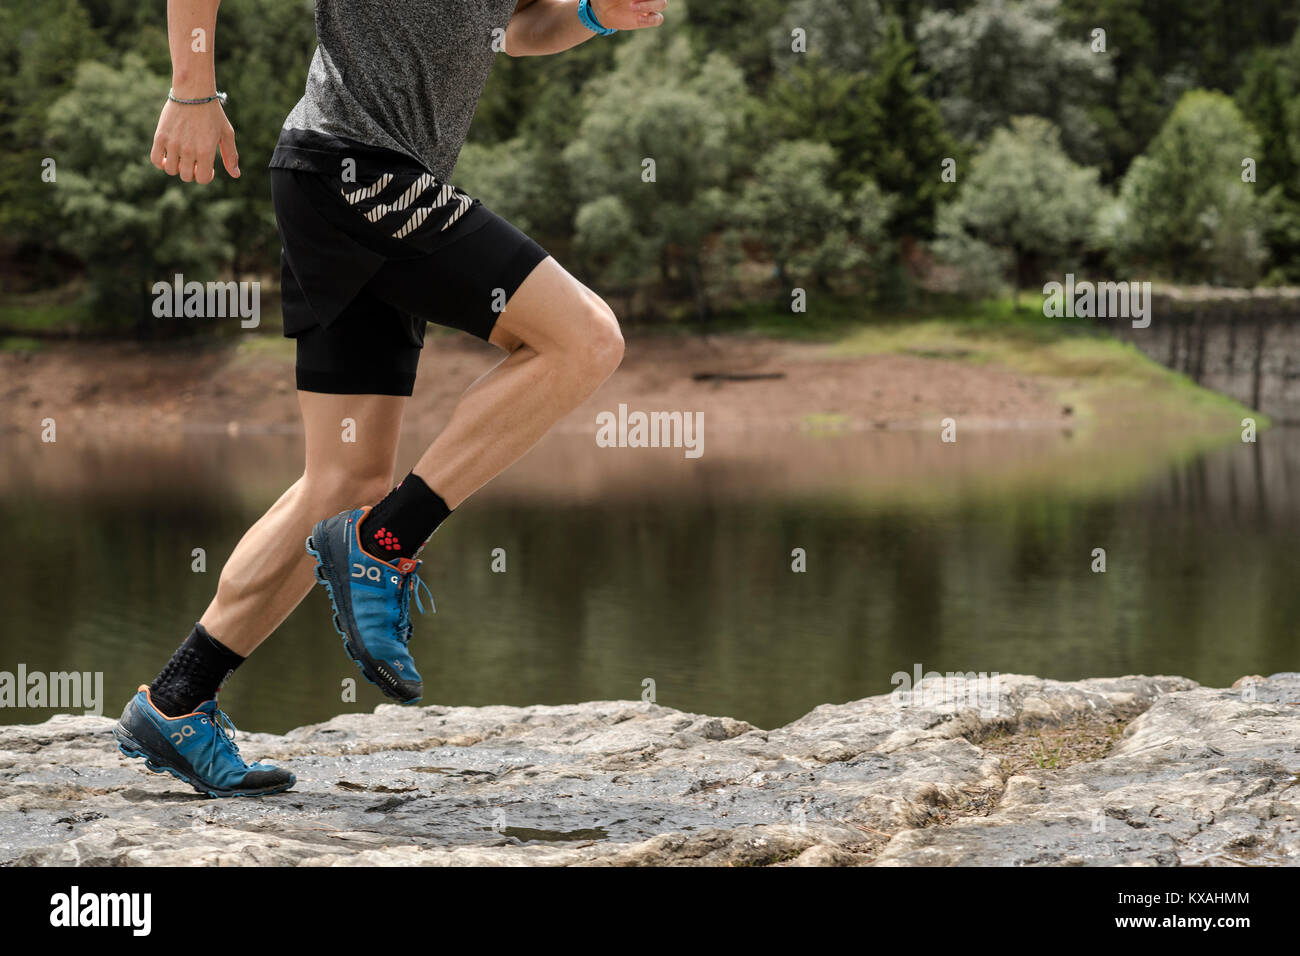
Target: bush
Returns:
[[1183, 208]]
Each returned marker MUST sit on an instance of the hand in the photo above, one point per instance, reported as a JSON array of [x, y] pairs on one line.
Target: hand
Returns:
[[188, 138], [629, 14]]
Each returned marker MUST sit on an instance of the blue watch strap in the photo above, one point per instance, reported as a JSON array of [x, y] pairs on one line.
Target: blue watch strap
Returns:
[[589, 19]]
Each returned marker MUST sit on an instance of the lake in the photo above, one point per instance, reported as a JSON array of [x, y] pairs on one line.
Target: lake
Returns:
[[623, 565]]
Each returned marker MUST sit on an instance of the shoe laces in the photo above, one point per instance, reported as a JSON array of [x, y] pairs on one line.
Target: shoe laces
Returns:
[[411, 584], [226, 732]]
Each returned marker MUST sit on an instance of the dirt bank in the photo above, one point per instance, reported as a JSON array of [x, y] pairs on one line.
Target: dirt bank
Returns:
[[108, 387]]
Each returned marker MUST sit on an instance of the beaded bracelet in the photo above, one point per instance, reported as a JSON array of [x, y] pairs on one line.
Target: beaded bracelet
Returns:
[[219, 96]]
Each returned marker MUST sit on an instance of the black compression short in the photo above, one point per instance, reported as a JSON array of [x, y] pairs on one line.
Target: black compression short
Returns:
[[365, 264]]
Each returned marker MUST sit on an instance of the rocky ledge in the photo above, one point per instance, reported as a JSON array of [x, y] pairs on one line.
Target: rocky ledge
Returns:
[[1020, 771]]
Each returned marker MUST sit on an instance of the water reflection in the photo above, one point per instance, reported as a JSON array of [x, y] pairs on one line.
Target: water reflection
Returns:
[[626, 565]]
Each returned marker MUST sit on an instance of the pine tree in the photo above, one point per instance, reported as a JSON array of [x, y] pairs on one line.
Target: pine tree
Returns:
[[906, 160]]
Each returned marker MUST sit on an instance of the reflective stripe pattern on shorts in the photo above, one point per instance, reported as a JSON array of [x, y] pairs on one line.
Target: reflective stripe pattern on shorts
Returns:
[[403, 201]]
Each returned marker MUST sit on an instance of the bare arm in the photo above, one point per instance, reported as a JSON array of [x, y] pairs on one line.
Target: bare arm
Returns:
[[189, 136], [539, 27]]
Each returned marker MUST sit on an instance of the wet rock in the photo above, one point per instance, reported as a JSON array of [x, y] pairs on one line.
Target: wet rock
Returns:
[[1200, 775]]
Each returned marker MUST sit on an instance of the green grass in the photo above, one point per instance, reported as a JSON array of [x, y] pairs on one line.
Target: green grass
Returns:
[[831, 317], [266, 344], [20, 343], [1125, 405], [1096, 373], [20, 317], [1102, 377], [824, 423], [1084, 358]]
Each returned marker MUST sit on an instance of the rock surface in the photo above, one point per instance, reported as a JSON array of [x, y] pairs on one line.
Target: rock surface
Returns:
[[1200, 775]]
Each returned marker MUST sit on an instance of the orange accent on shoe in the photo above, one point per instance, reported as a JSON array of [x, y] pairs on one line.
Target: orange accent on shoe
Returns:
[[149, 697]]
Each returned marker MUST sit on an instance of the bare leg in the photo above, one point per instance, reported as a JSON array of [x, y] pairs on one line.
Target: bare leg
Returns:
[[269, 572], [563, 342]]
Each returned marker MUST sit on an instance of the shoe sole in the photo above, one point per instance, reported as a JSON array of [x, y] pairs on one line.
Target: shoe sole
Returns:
[[365, 663], [131, 747]]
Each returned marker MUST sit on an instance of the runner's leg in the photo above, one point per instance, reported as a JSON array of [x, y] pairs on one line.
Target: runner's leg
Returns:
[[174, 724], [563, 342], [269, 573]]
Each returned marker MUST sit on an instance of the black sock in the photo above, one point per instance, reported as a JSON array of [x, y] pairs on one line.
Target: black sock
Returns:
[[399, 525], [194, 674]]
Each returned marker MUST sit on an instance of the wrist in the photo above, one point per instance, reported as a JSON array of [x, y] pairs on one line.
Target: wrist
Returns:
[[587, 14], [192, 91], [192, 84], [215, 97]]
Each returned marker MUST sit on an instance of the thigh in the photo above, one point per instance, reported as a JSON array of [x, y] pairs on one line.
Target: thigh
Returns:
[[352, 435], [464, 283], [552, 310]]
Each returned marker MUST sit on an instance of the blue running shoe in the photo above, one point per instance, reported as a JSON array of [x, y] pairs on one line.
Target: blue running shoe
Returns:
[[372, 604], [198, 748]]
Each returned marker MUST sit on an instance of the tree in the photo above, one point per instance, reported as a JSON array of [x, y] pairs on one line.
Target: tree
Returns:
[[1160, 50], [1183, 207], [815, 101], [882, 126], [1025, 196], [809, 229], [523, 181], [729, 26], [263, 50], [1004, 58], [529, 113], [913, 142], [39, 51], [845, 35], [1270, 99], [128, 222], [537, 96], [657, 150]]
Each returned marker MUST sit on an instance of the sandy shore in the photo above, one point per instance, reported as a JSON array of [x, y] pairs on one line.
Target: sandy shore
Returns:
[[109, 387]]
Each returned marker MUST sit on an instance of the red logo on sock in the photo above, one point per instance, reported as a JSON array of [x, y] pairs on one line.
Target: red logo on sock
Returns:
[[387, 540]]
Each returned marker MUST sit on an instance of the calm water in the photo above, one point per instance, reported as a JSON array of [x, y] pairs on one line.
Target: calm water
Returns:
[[632, 564]]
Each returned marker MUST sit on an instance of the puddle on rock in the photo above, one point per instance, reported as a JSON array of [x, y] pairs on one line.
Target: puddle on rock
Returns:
[[526, 834]]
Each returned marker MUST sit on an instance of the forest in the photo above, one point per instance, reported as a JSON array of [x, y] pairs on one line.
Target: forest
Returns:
[[875, 150]]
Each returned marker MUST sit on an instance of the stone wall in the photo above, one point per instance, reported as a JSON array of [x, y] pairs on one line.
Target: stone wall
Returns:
[[1242, 344]]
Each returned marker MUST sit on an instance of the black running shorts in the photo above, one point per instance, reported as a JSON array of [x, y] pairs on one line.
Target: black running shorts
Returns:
[[365, 264]]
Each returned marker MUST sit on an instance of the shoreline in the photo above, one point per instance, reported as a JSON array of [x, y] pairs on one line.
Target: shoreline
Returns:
[[900, 376], [860, 416]]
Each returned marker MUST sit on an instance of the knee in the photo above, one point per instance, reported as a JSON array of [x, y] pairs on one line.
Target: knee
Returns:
[[332, 490], [602, 348]]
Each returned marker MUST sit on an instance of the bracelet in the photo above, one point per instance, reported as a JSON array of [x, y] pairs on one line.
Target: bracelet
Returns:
[[589, 19], [220, 96]]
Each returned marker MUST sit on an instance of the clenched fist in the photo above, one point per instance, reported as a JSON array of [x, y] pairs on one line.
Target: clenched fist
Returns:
[[629, 14], [188, 139]]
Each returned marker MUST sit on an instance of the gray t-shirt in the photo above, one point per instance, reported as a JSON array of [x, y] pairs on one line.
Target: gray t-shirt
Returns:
[[403, 75]]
